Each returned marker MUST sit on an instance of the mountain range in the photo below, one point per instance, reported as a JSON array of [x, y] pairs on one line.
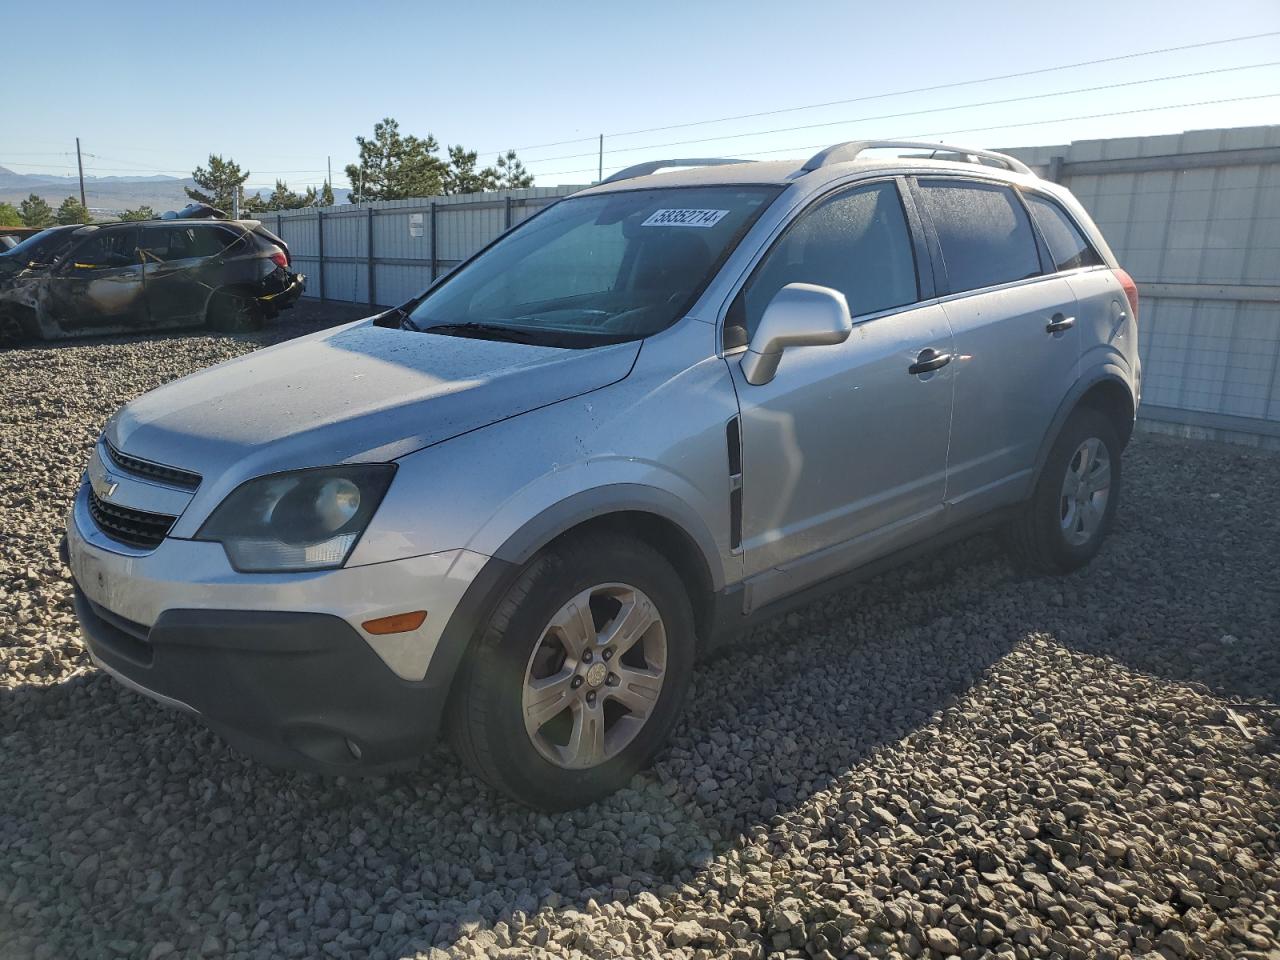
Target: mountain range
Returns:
[[112, 195]]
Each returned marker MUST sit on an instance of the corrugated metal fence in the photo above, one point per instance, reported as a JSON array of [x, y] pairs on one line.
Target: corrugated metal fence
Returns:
[[1194, 217], [390, 250]]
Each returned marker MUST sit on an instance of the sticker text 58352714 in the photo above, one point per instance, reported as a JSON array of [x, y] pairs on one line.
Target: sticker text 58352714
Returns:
[[684, 218]]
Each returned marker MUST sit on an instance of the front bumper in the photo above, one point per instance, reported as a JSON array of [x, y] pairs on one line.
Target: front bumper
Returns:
[[301, 690], [277, 663]]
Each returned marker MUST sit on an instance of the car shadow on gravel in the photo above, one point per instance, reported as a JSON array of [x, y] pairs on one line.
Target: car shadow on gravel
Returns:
[[124, 827], [112, 800]]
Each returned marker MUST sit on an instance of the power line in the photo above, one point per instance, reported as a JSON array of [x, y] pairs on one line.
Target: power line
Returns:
[[1006, 126], [928, 89], [913, 113]]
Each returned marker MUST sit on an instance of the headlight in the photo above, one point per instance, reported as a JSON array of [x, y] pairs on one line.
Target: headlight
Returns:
[[302, 520]]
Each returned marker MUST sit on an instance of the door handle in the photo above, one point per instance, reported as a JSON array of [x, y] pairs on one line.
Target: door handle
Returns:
[[928, 361], [1057, 323]]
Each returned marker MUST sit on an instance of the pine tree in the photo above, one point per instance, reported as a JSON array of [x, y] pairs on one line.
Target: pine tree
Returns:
[[326, 195], [511, 174], [394, 167], [35, 212], [220, 184], [9, 215], [462, 175], [143, 212], [72, 210]]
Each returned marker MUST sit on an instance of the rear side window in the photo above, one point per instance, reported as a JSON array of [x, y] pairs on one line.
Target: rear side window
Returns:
[[1067, 245], [856, 242], [984, 233]]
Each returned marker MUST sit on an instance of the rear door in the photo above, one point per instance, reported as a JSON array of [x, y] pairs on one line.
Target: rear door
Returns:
[[1017, 345], [1102, 319], [99, 283], [181, 261]]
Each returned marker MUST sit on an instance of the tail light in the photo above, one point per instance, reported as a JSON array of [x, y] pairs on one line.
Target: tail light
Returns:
[[1130, 291], [281, 259]]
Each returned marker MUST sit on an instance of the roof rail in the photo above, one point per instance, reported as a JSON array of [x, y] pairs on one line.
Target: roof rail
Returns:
[[842, 152], [653, 166]]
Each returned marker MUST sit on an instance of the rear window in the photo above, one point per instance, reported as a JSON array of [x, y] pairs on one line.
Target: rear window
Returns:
[[1067, 245], [984, 233]]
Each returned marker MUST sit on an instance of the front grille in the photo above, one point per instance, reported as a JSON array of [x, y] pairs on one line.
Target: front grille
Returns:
[[152, 471], [135, 528]]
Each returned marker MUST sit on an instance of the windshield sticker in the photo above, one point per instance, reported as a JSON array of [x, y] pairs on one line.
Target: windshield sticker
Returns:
[[684, 218]]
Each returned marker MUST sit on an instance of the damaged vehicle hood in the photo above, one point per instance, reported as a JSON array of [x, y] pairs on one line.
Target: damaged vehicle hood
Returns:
[[350, 394]]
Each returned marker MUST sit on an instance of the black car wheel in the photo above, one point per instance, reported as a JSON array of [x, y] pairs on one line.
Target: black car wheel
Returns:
[[1068, 516], [229, 313], [579, 674]]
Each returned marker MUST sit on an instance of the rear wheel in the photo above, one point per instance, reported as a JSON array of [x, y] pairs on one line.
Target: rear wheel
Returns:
[[229, 313], [579, 675], [1063, 525]]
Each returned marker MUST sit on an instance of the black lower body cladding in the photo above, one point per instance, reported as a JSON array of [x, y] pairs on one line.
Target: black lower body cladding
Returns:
[[302, 690]]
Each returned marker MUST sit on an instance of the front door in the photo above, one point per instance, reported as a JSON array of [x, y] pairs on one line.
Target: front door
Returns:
[[845, 450], [99, 284]]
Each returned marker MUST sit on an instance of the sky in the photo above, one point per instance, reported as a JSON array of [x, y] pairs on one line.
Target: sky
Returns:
[[282, 87]]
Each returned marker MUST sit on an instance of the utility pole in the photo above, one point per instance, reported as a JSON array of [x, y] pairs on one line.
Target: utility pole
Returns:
[[600, 174], [329, 179], [80, 164]]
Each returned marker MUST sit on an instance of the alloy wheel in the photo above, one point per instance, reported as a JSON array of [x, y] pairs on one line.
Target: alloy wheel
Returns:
[[595, 675], [1085, 490]]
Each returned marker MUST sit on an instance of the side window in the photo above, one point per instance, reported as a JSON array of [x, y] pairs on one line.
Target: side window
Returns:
[[1067, 245], [155, 243], [108, 248], [856, 242], [183, 243], [984, 233], [210, 241]]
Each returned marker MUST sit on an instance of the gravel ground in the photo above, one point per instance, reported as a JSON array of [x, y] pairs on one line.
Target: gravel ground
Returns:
[[951, 759]]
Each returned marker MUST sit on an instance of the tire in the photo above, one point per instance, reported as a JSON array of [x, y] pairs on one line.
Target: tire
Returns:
[[520, 655], [1052, 535], [228, 313]]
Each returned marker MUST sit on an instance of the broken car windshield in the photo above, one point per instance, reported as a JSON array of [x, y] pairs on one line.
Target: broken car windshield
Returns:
[[595, 269]]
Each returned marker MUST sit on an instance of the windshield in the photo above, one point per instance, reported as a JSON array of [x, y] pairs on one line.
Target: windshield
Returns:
[[42, 247], [595, 269]]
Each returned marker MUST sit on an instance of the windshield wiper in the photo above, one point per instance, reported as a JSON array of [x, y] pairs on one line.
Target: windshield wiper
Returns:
[[479, 331]]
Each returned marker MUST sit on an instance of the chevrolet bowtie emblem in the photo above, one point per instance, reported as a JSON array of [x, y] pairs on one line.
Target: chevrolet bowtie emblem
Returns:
[[111, 486]]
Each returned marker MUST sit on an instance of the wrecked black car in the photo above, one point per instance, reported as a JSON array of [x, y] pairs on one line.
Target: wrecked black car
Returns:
[[229, 275]]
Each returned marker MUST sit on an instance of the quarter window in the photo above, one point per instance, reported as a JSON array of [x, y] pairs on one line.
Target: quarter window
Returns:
[[984, 233], [856, 242], [1067, 245]]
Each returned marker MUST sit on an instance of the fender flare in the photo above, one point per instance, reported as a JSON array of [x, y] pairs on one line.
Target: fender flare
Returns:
[[502, 568], [613, 498], [1107, 371]]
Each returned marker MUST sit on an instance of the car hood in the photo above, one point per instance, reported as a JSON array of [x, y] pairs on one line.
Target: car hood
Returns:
[[351, 394]]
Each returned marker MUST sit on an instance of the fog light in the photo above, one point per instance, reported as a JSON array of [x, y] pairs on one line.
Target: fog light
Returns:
[[396, 623]]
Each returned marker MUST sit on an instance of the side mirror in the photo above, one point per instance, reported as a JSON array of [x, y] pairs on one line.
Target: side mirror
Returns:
[[799, 315]]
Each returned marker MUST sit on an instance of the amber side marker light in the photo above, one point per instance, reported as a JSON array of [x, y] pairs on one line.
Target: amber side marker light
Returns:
[[396, 623]]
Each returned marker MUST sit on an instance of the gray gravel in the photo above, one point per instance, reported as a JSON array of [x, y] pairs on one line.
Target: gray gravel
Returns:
[[950, 760]]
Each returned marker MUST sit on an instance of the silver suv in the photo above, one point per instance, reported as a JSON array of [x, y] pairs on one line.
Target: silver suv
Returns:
[[515, 508]]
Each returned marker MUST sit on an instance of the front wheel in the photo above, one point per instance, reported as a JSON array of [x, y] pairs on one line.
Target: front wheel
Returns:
[[579, 675], [1068, 516]]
